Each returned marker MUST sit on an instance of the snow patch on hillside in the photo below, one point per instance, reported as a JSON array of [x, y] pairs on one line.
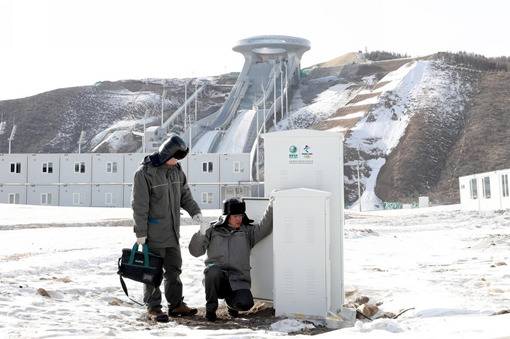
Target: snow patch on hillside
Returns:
[[323, 106], [414, 87], [114, 135]]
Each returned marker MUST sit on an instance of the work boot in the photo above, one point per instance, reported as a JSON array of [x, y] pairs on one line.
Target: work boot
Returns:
[[233, 313], [211, 316], [181, 310], [156, 314]]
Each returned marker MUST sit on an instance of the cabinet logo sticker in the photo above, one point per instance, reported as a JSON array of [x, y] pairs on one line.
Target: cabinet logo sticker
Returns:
[[293, 154], [302, 155], [307, 152]]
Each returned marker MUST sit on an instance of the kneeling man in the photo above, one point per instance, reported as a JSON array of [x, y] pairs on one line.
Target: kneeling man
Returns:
[[228, 244]]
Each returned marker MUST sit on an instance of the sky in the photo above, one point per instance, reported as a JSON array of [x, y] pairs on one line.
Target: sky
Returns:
[[49, 44]]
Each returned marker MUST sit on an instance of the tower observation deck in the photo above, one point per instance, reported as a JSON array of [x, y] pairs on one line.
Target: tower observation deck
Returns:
[[261, 93]]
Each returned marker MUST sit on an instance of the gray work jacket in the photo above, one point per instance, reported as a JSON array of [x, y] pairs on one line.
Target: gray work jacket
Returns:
[[158, 195], [230, 249]]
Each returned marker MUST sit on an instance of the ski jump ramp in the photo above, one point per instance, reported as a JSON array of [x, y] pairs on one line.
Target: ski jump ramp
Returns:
[[271, 70]]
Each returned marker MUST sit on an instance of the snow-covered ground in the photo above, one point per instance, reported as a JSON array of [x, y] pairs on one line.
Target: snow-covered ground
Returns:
[[451, 266]]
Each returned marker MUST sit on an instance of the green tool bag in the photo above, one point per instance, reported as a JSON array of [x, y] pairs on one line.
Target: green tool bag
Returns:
[[142, 266]]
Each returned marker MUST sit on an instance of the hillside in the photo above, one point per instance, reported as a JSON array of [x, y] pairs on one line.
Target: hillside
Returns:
[[414, 125], [52, 121]]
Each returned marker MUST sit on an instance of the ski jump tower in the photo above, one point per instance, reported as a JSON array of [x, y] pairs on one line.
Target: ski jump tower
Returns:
[[259, 98]]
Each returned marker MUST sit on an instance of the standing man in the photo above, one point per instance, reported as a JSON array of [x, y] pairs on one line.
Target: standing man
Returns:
[[228, 244], [159, 191]]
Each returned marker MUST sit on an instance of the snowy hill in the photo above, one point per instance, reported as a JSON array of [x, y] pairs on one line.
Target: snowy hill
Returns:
[[410, 120]]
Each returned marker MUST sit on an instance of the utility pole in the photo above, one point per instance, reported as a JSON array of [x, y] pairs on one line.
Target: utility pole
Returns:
[[196, 100], [264, 98], [144, 141], [257, 150], [11, 138], [163, 104], [274, 96], [185, 104], [359, 183], [287, 88], [189, 132], [81, 140], [281, 90], [2, 125]]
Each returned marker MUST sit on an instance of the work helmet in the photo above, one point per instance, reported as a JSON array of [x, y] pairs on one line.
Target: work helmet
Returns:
[[172, 147]]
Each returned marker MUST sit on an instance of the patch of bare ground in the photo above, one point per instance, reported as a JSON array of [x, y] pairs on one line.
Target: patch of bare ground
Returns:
[[350, 109], [260, 317], [361, 97], [380, 84], [344, 123]]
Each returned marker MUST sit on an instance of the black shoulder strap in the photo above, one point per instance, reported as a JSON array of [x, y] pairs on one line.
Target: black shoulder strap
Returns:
[[124, 288]]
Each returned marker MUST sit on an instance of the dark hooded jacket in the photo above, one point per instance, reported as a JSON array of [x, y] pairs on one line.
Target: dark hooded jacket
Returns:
[[159, 192], [230, 249]]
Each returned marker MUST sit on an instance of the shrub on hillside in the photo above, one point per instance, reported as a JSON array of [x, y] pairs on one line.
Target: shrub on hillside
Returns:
[[383, 55], [475, 61]]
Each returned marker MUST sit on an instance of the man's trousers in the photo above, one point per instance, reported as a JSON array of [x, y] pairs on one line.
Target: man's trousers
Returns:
[[217, 287], [172, 284]]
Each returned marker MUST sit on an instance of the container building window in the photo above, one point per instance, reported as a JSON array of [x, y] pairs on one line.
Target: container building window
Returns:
[[79, 167], [486, 186], [76, 198], [15, 167], [13, 198], [504, 185], [473, 190], [47, 167], [108, 198], [207, 197], [111, 167], [237, 167], [45, 198], [207, 167]]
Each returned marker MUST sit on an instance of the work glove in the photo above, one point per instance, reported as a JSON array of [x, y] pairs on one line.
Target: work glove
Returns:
[[197, 219], [271, 196], [141, 240]]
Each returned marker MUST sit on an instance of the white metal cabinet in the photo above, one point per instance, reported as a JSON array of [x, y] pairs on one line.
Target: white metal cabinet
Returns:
[[301, 244]]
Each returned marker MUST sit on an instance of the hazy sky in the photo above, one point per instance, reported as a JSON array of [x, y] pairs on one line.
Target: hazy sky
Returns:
[[48, 44]]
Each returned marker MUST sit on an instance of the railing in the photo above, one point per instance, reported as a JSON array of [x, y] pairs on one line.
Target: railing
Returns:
[[174, 115]]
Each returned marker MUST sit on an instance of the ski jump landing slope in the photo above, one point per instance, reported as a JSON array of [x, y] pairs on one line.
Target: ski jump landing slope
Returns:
[[271, 67]]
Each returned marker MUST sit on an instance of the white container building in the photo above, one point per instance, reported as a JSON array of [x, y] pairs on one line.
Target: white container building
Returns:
[[93, 179], [13, 168], [128, 194], [43, 169], [205, 168], [206, 195], [132, 161], [107, 195], [76, 168], [13, 194], [234, 167], [485, 191], [43, 195], [75, 195], [107, 168]]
